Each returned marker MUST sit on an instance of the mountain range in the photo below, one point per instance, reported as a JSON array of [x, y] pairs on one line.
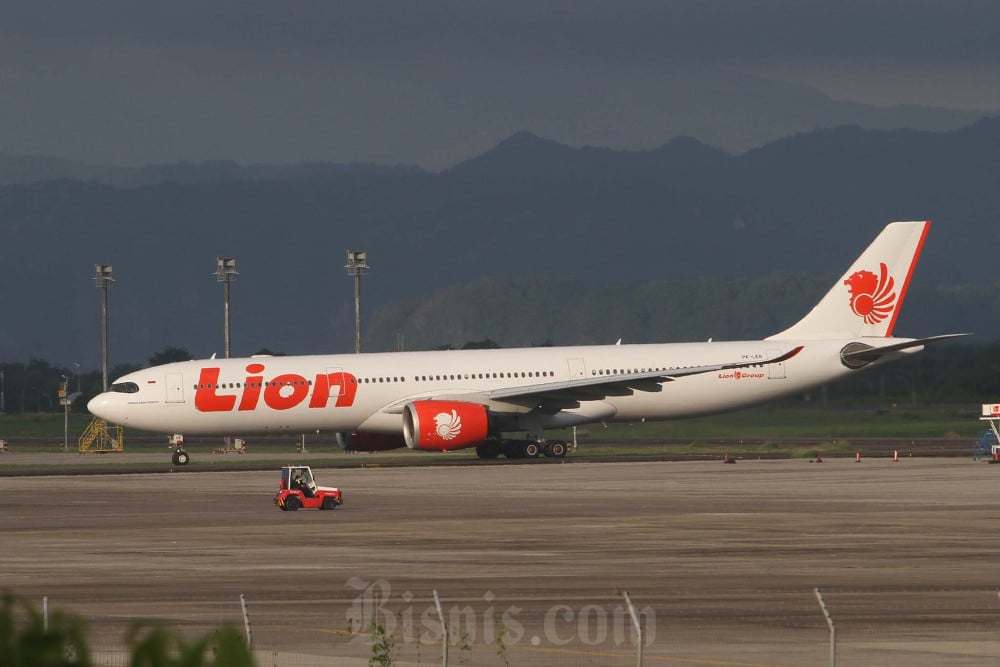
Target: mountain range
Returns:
[[582, 225]]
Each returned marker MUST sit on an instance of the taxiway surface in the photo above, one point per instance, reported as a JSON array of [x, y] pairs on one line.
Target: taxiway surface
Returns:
[[720, 560]]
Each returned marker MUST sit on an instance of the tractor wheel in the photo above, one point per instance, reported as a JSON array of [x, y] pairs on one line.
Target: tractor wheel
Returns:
[[292, 503], [180, 458], [531, 450], [329, 503]]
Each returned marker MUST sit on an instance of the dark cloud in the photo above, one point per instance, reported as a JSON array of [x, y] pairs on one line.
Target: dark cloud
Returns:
[[437, 80], [629, 30]]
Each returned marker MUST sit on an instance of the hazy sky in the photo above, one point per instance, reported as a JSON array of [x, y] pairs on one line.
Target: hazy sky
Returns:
[[261, 80]]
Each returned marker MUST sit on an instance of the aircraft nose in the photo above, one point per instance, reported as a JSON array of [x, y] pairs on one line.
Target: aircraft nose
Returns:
[[101, 406], [94, 405]]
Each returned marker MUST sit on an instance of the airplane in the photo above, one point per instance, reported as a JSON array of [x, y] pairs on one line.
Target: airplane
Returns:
[[457, 399]]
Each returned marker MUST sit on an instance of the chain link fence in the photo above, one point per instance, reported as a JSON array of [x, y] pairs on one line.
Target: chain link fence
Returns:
[[370, 624]]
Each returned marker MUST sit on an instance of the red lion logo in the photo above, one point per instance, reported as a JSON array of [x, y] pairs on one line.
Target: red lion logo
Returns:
[[872, 297]]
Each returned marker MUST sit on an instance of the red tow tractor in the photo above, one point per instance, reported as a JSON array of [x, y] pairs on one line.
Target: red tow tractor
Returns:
[[298, 488]]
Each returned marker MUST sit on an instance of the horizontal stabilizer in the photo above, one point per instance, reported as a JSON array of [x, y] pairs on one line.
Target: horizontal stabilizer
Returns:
[[862, 355]]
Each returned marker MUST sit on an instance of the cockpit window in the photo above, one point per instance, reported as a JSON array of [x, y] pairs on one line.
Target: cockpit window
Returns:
[[125, 387]]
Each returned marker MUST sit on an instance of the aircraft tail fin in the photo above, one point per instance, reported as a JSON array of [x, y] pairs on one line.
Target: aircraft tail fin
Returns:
[[867, 298]]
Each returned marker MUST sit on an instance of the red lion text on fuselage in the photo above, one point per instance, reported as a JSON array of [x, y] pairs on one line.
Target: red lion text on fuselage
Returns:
[[281, 392]]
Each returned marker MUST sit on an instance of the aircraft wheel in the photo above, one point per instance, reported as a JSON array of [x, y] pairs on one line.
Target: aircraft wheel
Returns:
[[328, 504], [292, 503], [531, 450], [557, 449], [180, 458]]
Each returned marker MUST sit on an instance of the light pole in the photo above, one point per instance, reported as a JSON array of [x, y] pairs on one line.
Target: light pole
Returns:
[[356, 267], [65, 403], [104, 278], [225, 271], [66, 400], [3, 394]]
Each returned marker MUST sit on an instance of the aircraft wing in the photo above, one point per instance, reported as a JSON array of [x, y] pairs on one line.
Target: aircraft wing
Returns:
[[555, 396], [551, 397]]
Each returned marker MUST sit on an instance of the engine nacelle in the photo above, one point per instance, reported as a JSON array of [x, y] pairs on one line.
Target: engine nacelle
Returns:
[[443, 426], [369, 442]]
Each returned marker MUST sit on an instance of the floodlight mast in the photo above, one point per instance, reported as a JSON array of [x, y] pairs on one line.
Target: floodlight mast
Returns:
[[356, 266], [103, 278], [225, 272]]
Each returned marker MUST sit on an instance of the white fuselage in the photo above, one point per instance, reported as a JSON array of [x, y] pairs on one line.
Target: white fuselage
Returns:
[[365, 392], [453, 399]]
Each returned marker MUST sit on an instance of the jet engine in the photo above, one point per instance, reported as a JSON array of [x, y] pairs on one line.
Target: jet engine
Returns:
[[369, 442], [444, 425]]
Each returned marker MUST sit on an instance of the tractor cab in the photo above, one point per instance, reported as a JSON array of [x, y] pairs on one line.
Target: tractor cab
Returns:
[[297, 488], [298, 478]]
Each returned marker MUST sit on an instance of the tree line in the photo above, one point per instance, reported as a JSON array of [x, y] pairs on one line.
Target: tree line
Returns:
[[36, 386]]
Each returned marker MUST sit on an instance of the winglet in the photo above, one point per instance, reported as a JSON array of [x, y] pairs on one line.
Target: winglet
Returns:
[[867, 298]]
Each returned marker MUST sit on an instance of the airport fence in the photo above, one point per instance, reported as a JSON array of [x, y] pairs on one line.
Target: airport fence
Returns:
[[890, 627]]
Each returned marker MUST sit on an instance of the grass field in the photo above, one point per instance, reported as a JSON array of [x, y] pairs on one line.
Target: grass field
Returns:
[[772, 426], [929, 422], [834, 424]]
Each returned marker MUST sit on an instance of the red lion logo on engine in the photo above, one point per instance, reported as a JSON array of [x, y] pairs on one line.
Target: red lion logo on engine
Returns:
[[872, 297]]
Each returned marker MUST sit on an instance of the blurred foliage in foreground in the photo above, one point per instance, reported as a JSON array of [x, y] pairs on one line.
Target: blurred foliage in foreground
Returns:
[[29, 639]]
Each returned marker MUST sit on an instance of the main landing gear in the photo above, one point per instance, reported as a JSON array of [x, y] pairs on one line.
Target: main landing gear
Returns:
[[523, 449]]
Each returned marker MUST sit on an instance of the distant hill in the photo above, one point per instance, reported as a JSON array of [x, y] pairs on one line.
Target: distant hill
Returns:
[[538, 310], [683, 213]]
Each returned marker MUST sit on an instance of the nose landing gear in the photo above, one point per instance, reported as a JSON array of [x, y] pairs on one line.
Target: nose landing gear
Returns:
[[179, 457]]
